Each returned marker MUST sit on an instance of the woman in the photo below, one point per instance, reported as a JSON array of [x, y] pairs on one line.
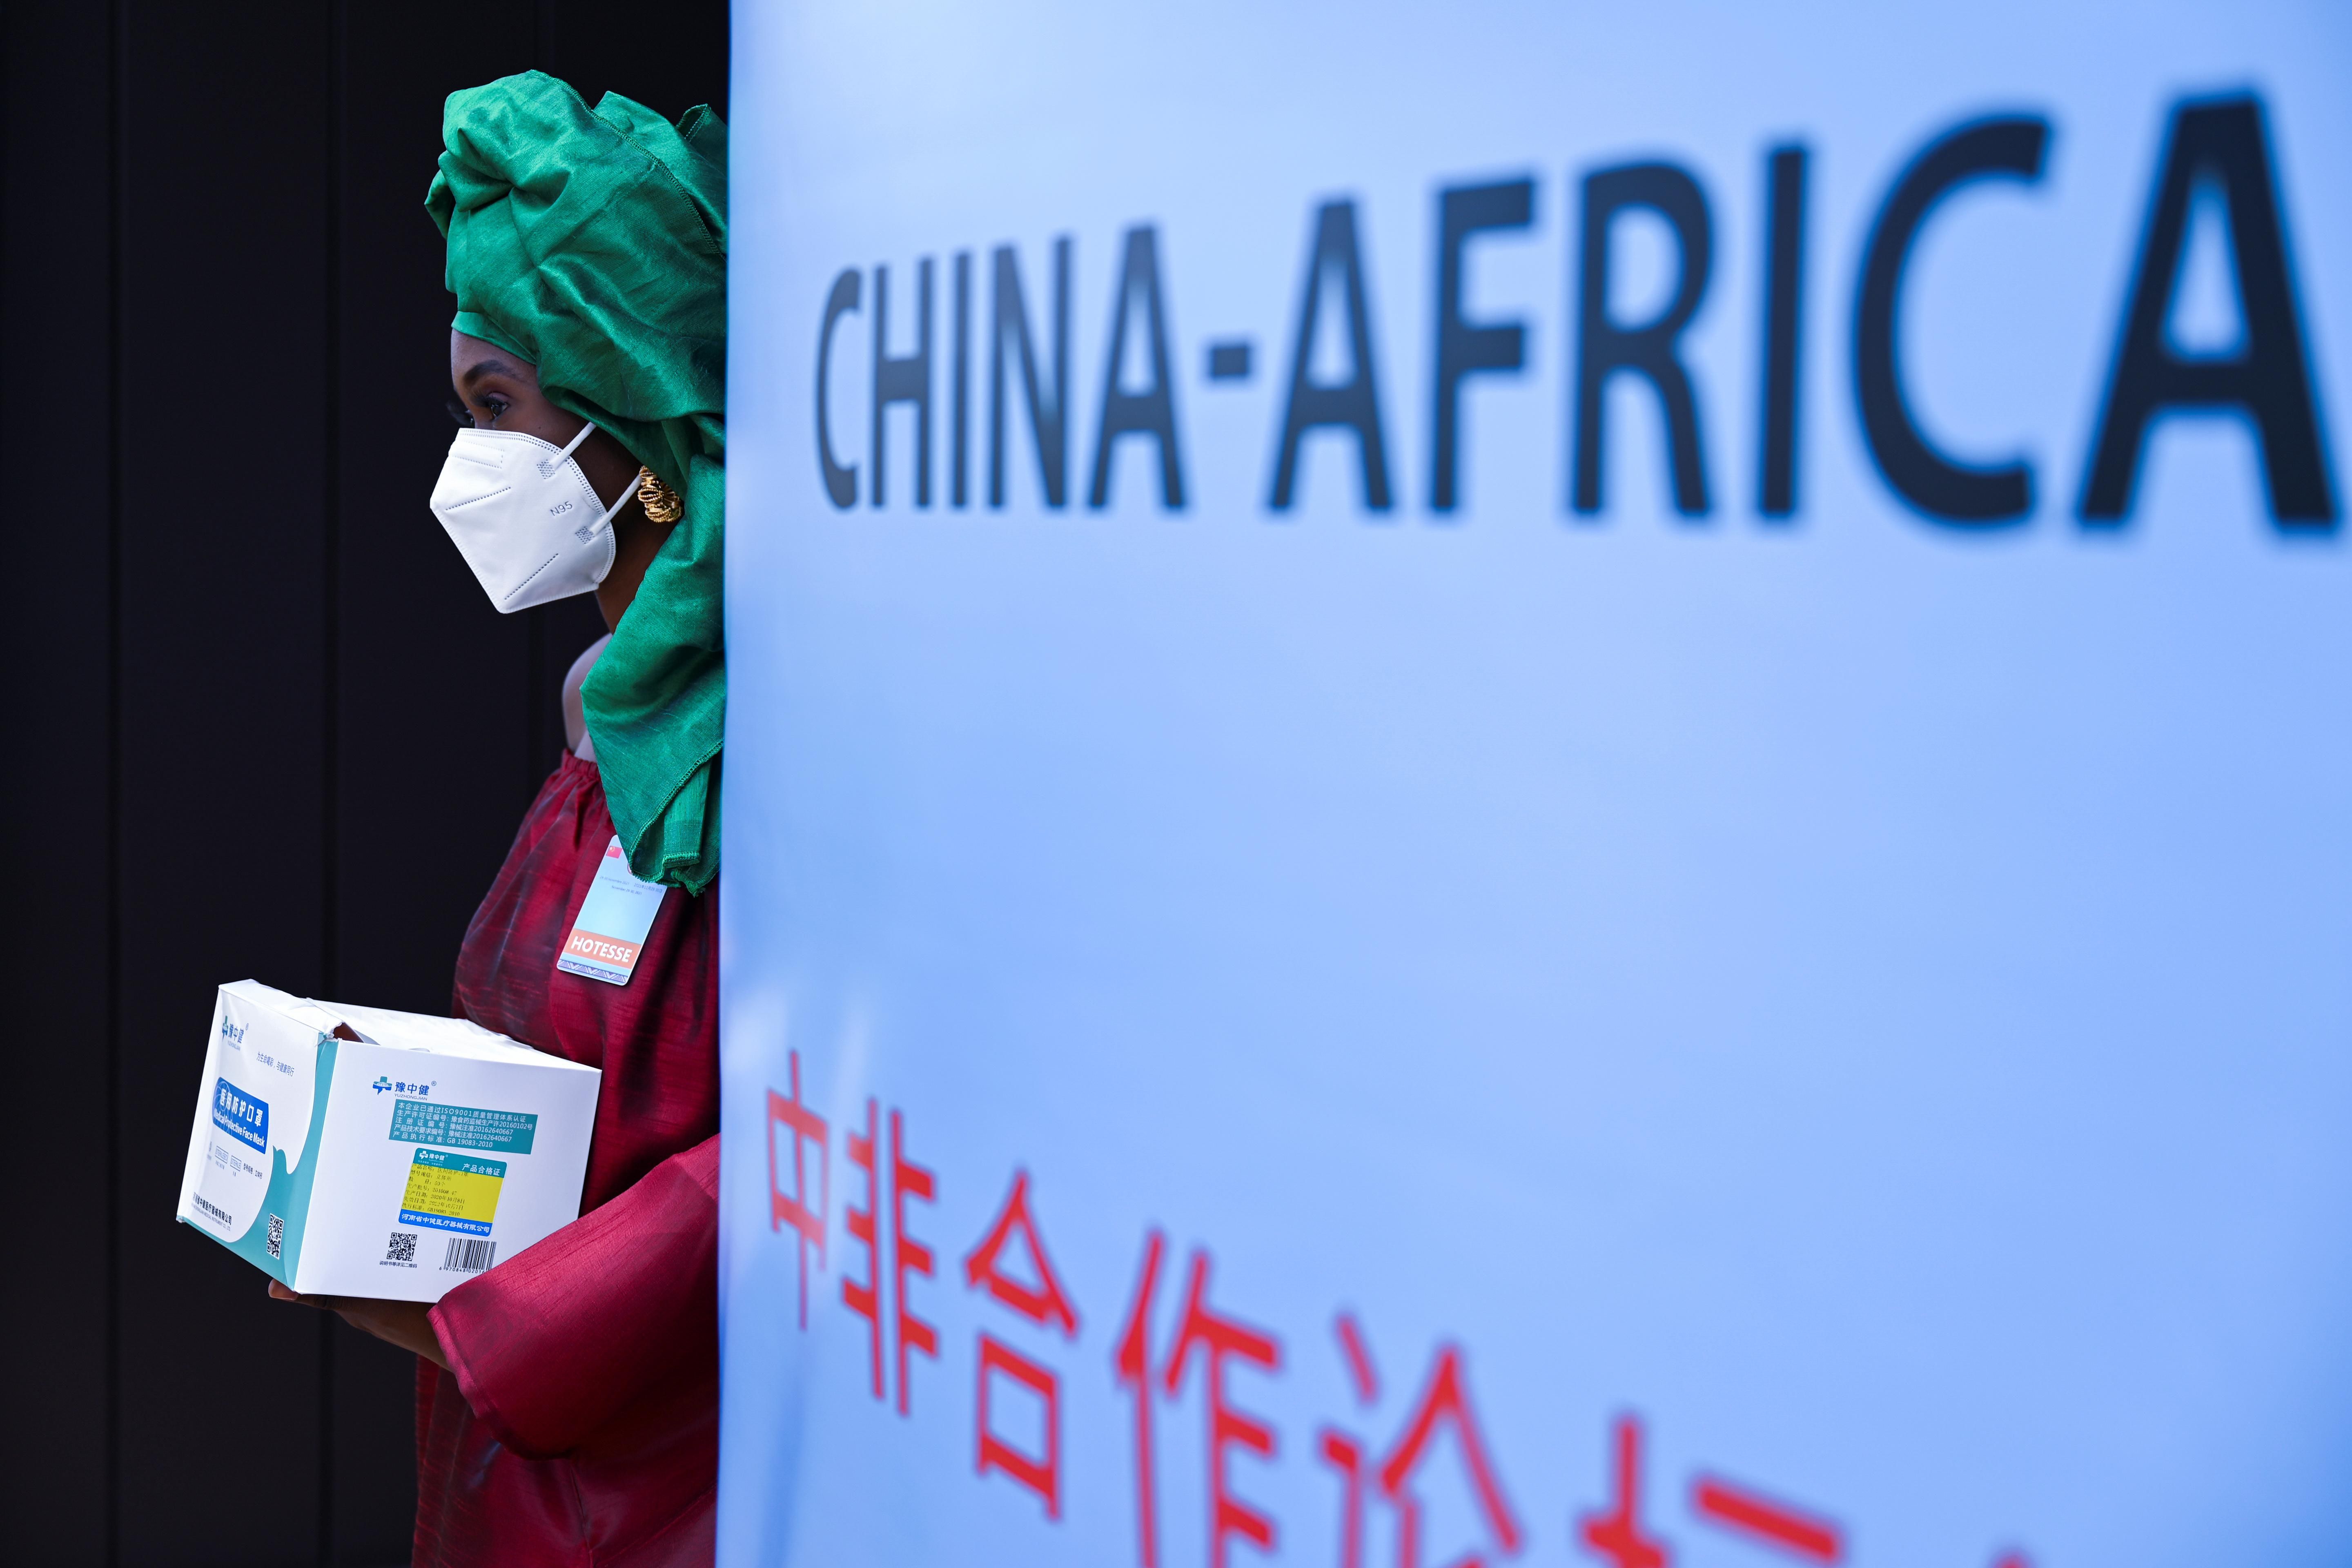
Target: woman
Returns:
[[568, 1399]]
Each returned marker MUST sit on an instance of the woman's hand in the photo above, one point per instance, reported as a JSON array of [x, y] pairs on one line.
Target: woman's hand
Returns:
[[409, 1325]]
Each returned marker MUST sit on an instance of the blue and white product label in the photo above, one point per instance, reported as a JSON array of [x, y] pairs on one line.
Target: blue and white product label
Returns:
[[613, 920], [235, 1172], [241, 1115]]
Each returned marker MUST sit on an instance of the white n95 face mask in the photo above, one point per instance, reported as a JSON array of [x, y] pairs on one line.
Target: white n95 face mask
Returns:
[[525, 517]]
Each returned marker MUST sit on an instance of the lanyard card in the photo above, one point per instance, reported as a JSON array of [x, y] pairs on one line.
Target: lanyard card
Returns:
[[613, 919]]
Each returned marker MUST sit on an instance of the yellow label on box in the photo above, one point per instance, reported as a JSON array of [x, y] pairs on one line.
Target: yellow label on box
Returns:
[[453, 1192]]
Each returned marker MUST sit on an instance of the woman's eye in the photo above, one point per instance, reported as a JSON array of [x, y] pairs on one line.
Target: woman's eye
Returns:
[[492, 408]]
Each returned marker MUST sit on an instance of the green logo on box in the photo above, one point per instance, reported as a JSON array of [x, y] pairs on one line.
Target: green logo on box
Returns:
[[463, 1127]]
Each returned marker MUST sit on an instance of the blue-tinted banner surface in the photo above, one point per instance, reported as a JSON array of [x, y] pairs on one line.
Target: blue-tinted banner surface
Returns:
[[1540, 783]]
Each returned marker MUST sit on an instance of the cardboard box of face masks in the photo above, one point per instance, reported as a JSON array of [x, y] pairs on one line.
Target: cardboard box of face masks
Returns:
[[355, 1152]]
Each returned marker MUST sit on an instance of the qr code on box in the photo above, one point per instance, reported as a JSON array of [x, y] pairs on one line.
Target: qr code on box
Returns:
[[277, 1236], [402, 1248]]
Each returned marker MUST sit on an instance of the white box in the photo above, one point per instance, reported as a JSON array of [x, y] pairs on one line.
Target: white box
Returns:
[[355, 1152]]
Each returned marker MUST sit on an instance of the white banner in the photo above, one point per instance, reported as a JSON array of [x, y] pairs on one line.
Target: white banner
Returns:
[[1540, 783]]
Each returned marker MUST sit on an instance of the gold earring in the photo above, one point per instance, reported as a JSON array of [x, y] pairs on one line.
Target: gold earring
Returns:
[[661, 503]]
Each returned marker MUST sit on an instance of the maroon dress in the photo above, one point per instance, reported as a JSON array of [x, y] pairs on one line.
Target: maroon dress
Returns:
[[580, 1423]]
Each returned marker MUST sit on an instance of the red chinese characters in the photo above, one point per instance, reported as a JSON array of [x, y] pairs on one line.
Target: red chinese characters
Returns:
[[1618, 1535], [908, 1255], [865, 1298], [1023, 1400], [1219, 1338], [902, 1179], [792, 1208], [1444, 1403], [1444, 1399], [1766, 1520], [1044, 1303], [1133, 1366], [1344, 1453]]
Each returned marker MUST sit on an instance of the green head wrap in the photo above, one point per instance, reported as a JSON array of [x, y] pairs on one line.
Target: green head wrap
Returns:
[[594, 246]]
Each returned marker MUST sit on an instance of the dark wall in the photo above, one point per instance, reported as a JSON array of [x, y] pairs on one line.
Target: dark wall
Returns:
[[260, 719]]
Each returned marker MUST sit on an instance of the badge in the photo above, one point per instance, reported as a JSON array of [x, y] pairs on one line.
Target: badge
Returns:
[[613, 919]]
